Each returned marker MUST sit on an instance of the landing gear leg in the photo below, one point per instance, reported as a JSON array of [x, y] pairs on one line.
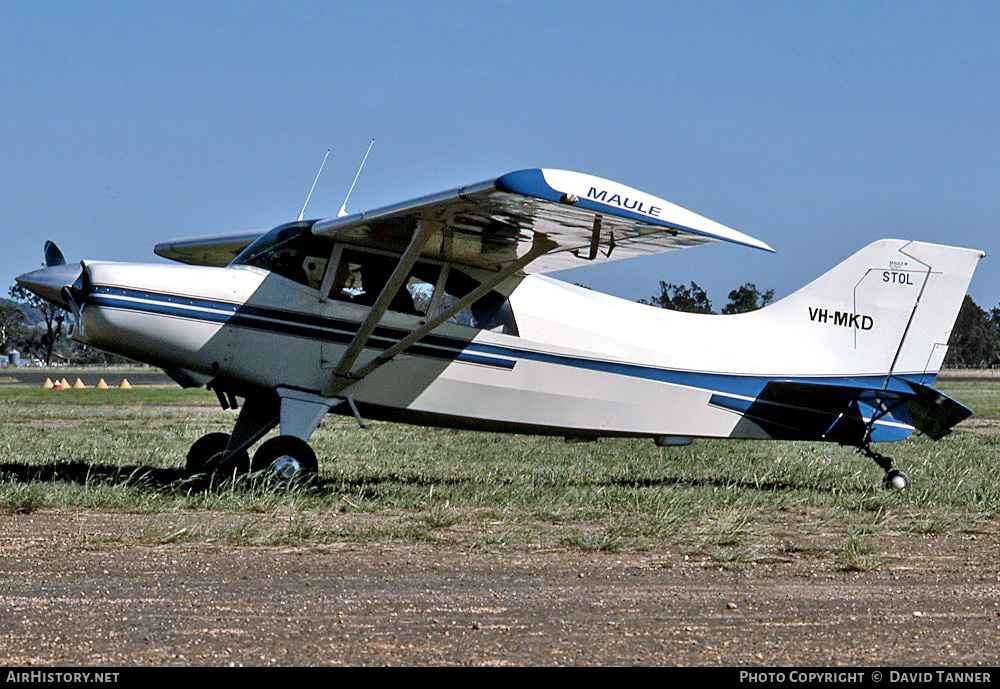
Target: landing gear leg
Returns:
[[286, 459], [894, 478]]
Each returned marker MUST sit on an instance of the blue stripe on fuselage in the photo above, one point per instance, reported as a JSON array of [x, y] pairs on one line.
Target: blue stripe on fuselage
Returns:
[[444, 347], [281, 321]]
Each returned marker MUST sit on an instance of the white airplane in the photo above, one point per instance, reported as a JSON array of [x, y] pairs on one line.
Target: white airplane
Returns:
[[425, 312]]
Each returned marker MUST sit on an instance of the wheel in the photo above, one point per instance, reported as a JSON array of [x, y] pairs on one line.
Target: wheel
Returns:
[[205, 456], [896, 480], [204, 452], [286, 459]]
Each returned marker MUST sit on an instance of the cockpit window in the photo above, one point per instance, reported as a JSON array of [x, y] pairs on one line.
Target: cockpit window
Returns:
[[291, 251]]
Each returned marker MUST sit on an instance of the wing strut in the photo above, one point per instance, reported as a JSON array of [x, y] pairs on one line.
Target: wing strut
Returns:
[[399, 274], [540, 244]]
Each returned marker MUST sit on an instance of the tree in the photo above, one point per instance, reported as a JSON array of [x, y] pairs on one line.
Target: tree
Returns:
[[692, 299], [44, 341], [975, 338], [11, 318], [746, 297]]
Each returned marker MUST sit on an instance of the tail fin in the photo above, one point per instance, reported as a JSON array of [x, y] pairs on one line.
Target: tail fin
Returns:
[[888, 309]]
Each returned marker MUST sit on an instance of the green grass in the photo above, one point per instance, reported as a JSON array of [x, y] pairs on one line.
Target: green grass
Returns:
[[981, 395], [858, 554], [124, 450]]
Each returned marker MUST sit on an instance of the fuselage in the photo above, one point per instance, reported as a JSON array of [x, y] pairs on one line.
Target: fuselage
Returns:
[[582, 364]]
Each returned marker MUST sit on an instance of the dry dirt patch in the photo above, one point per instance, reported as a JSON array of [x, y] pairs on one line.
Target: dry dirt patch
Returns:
[[73, 592], [980, 424]]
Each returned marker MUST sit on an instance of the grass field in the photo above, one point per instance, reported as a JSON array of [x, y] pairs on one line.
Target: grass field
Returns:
[[124, 450]]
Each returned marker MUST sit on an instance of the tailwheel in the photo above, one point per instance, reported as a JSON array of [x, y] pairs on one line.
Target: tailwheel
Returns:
[[896, 480], [205, 457], [286, 459]]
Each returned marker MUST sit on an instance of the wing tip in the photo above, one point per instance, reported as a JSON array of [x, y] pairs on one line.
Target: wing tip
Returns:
[[758, 244]]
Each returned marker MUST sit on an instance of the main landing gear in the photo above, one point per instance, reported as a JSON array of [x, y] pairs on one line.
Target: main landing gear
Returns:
[[283, 459], [286, 459], [894, 478]]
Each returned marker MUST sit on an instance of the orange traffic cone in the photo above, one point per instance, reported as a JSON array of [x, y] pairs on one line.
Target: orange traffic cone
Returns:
[[57, 385]]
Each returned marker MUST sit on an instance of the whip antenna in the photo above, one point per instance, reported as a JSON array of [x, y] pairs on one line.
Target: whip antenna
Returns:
[[343, 208], [309, 195]]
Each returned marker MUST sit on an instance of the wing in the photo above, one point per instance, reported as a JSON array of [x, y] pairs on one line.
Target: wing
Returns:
[[206, 251], [493, 223], [490, 224]]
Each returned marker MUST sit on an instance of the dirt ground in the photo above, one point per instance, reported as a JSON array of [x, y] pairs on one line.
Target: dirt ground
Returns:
[[72, 593]]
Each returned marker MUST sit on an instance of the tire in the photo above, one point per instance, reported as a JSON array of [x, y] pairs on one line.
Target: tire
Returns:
[[286, 460], [205, 456], [204, 452], [896, 480]]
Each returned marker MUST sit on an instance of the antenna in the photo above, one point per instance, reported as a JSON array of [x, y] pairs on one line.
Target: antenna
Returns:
[[309, 196], [343, 207]]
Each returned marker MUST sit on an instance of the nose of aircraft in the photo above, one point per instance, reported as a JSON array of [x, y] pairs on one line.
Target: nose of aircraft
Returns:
[[53, 284]]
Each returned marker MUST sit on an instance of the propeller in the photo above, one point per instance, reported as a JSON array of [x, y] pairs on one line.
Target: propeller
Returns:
[[66, 286], [53, 257]]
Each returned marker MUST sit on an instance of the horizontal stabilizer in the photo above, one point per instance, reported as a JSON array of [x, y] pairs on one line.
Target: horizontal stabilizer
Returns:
[[850, 415], [933, 412]]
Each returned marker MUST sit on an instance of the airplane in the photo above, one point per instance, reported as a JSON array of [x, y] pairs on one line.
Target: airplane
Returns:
[[438, 311]]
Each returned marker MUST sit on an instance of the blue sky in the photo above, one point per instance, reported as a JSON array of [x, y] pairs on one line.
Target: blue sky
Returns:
[[816, 127]]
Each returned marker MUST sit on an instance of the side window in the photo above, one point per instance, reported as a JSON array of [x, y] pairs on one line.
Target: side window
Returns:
[[361, 276], [490, 312]]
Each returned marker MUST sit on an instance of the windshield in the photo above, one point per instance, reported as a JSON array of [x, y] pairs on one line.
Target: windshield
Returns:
[[291, 251]]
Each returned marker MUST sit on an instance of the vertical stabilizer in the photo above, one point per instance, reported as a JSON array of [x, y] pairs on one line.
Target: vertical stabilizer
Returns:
[[888, 309]]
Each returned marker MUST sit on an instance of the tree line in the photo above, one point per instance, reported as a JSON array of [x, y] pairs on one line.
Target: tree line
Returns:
[[693, 298]]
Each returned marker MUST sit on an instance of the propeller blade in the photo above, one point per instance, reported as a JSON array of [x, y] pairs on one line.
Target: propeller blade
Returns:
[[53, 257]]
